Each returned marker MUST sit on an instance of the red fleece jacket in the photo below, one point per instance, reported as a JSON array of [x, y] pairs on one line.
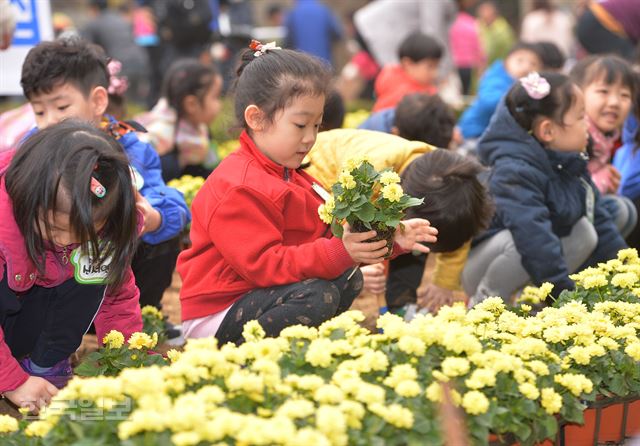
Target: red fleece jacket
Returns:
[[393, 84], [255, 225]]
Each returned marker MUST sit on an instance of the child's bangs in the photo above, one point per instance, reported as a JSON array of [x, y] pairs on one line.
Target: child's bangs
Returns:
[[610, 71]]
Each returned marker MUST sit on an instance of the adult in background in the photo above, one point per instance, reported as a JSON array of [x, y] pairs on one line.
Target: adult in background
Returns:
[[113, 31], [312, 28], [546, 22], [610, 26], [495, 32]]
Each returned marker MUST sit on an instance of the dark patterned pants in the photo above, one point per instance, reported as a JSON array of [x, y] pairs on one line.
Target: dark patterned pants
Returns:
[[310, 302]]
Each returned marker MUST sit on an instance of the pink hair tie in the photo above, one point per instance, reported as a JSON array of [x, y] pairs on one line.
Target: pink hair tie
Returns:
[[536, 86], [118, 85], [97, 188]]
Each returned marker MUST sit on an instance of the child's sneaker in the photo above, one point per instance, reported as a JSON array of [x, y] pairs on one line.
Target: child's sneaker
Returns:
[[58, 375]]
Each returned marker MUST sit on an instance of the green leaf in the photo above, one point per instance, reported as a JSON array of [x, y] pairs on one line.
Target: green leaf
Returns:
[[87, 369], [366, 213], [414, 202], [337, 229]]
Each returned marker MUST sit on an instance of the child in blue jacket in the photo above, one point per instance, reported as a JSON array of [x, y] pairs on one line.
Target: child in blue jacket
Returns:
[[549, 220], [495, 82], [68, 78]]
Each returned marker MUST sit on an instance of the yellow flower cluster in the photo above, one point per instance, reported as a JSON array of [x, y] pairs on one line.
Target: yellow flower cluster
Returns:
[[188, 185], [535, 295], [150, 310], [389, 177], [113, 339], [140, 340], [353, 163], [352, 120], [321, 385], [392, 192], [8, 424], [325, 210], [346, 180]]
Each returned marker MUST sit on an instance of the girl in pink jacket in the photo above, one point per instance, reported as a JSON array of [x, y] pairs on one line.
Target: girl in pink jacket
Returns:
[[68, 232]]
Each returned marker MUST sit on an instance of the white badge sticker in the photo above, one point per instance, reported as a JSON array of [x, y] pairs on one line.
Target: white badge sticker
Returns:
[[321, 191], [86, 271]]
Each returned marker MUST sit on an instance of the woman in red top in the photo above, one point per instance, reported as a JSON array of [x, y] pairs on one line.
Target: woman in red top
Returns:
[[260, 250]]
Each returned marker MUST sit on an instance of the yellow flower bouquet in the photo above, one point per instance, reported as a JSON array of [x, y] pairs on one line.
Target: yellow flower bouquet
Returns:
[[367, 199]]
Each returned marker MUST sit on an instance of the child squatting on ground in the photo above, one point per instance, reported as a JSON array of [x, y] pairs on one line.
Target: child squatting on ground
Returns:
[[549, 219], [609, 87], [69, 230], [68, 78], [260, 250]]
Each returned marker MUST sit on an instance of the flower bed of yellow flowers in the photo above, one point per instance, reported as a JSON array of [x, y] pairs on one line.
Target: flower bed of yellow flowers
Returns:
[[512, 372]]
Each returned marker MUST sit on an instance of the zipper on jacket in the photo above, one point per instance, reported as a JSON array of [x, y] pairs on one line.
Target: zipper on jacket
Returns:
[[286, 174]]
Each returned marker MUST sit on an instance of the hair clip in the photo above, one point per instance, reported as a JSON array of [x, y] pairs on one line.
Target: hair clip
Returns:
[[262, 48], [536, 86], [97, 188], [118, 85]]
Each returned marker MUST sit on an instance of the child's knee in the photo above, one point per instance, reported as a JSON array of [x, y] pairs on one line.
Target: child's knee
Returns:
[[325, 297]]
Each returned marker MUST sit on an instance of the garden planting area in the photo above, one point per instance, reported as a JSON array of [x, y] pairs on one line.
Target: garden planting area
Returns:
[[565, 373]]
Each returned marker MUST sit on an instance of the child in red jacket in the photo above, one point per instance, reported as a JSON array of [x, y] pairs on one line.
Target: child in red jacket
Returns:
[[68, 233], [260, 250], [417, 71]]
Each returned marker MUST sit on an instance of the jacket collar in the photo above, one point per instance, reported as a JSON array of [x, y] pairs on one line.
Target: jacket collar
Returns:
[[505, 138], [248, 146]]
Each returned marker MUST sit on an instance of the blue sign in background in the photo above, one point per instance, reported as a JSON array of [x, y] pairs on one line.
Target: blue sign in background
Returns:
[[27, 30]]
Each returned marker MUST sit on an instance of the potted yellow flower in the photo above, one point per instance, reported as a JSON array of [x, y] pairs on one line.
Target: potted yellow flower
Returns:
[[367, 199]]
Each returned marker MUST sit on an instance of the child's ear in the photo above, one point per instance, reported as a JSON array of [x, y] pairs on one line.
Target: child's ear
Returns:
[[406, 62], [190, 105], [99, 101], [254, 117], [544, 131]]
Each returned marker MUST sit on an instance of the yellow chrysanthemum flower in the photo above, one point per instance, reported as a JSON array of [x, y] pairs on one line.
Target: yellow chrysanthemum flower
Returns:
[[150, 310], [551, 401], [624, 280], [475, 402], [392, 192], [346, 180], [253, 331], [389, 177], [8, 424], [113, 339], [529, 391], [140, 340]]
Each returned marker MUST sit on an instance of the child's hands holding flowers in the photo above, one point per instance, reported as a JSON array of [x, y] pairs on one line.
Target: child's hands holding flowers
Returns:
[[361, 250], [413, 232]]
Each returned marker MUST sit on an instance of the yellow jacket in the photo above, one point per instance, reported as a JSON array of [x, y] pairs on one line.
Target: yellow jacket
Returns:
[[334, 147]]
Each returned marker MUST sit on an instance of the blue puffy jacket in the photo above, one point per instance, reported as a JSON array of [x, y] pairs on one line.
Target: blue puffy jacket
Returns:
[[627, 161], [539, 195], [381, 121], [166, 200], [494, 84]]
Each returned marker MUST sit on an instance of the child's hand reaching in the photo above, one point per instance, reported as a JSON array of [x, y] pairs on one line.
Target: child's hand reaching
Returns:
[[375, 281], [362, 251], [416, 231], [432, 297], [35, 393], [152, 217]]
